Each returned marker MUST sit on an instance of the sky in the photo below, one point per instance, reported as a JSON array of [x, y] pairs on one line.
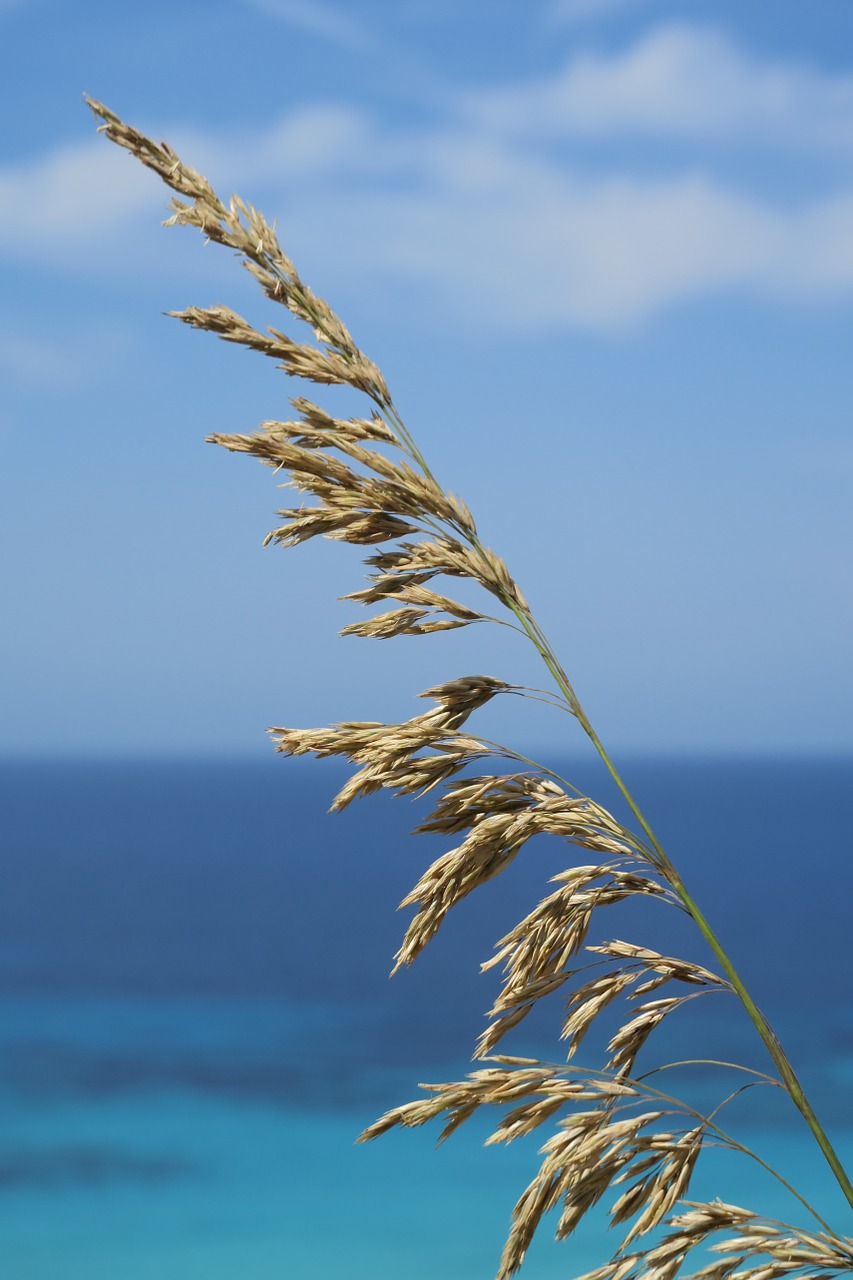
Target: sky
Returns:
[[602, 251]]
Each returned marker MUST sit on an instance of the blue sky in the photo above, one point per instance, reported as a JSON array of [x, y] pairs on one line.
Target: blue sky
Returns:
[[603, 252]]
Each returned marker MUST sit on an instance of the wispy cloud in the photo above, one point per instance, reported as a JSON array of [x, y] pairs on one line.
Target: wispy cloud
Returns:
[[62, 208], [500, 236], [520, 246], [491, 221], [69, 196], [677, 82], [307, 143], [318, 18]]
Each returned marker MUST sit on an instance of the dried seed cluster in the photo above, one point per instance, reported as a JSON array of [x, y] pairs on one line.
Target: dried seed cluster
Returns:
[[755, 1248], [368, 484]]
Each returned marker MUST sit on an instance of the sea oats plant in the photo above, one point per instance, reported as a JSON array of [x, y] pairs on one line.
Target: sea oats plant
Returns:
[[616, 1133]]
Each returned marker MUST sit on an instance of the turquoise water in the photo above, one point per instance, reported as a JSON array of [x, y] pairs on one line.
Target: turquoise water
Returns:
[[264, 1192], [196, 1022]]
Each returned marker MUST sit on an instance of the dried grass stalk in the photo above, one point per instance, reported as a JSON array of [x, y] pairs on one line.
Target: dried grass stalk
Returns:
[[614, 1133]]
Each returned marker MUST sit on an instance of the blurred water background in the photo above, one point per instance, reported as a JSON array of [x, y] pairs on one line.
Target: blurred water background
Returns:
[[197, 1019]]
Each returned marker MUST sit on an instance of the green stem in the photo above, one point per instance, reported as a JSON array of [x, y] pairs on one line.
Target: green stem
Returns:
[[762, 1026]]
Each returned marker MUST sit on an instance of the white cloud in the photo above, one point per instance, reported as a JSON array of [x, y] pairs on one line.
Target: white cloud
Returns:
[[310, 141], [68, 197], [68, 207], [677, 82], [492, 230], [317, 18], [520, 246]]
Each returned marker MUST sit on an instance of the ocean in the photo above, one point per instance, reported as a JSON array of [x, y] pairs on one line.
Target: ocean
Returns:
[[196, 1018]]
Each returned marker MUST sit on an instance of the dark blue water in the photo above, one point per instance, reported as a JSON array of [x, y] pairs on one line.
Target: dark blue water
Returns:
[[197, 1018]]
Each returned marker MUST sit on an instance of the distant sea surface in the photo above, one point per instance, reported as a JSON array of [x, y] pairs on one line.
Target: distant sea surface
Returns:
[[196, 1018]]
